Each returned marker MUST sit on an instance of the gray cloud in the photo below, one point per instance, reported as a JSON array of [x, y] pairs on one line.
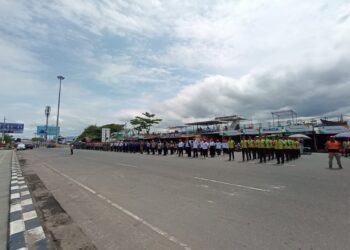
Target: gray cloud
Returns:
[[310, 91]]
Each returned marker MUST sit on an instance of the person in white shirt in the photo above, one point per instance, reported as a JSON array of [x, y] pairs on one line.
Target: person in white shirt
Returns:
[[180, 148], [204, 146], [195, 148], [218, 147], [224, 147], [212, 148]]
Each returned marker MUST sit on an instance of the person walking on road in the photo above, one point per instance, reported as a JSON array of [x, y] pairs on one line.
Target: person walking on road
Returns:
[[71, 148], [333, 147]]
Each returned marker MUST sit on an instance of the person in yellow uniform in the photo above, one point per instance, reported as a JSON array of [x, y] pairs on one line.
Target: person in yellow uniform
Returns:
[[231, 149], [268, 148], [244, 147], [250, 147], [257, 146], [279, 150], [263, 149], [272, 148]]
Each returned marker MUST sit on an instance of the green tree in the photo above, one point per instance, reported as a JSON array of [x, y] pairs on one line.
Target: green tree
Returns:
[[145, 122], [7, 139], [93, 132]]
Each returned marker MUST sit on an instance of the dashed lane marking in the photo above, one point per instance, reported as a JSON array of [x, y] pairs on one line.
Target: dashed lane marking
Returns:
[[125, 211], [127, 165], [232, 184]]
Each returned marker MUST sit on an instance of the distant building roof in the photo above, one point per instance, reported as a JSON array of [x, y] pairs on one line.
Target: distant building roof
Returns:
[[230, 118], [205, 123]]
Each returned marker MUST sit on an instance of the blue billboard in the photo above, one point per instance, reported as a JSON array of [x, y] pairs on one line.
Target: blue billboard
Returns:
[[16, 128], [51, 130]]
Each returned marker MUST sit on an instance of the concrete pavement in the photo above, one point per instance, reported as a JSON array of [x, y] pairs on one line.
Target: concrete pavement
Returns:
[[132, 201], [5, 169]]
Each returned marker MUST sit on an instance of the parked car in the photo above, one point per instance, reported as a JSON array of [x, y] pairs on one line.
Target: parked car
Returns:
[[21, 146], [29, 146]]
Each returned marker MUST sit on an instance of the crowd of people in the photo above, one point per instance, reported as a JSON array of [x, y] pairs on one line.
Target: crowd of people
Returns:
[[262, 148]]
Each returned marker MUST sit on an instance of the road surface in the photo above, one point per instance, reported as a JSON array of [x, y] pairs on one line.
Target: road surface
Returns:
[[133, 201]]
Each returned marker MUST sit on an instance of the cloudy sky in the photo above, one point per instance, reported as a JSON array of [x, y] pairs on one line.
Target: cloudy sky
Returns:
[[182, 60]]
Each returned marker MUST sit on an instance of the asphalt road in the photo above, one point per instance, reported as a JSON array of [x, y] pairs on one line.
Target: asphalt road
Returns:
[[133, 201]]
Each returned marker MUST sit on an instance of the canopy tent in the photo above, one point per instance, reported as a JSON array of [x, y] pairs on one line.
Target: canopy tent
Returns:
[[343, 135], [300, 136]]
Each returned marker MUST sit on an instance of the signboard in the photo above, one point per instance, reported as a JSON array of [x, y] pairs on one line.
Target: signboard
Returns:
[[273, 130], [231, 133], [106, 134], [298, 129], [330, 130], [250, 131], [16, 128], [51, 130]]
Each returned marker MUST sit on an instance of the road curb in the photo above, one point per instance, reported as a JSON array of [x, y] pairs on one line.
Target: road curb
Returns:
[[25, 230]]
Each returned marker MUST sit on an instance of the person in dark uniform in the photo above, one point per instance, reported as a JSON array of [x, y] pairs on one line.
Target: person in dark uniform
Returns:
[[71, 149]]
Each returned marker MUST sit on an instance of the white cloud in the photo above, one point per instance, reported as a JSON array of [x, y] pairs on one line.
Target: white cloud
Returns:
[[122, 58]]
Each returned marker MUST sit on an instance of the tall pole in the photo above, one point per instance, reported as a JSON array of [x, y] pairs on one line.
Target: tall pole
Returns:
[[3, 132], [47, 114], [58, 108]]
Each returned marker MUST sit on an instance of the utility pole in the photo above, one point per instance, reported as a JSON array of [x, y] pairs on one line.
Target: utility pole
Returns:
[[58, 108], [47, 114], [3, 131]]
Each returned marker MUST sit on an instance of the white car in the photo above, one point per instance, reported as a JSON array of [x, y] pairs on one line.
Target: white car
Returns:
[[21, 146]]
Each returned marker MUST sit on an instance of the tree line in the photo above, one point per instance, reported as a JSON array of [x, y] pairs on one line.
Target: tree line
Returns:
[[140, 124]]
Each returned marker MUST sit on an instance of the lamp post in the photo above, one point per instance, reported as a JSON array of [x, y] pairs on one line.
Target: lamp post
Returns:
[[58, 108]]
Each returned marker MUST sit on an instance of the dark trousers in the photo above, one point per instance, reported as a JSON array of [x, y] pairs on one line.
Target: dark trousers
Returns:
[[231, 154], [262, 155], [244, 152], [279, 156], [71, 151], [249, 154], [165, 151], [212, 151], [254, 153], [205, 152], [188, 151], [180, 151], [195, 153]]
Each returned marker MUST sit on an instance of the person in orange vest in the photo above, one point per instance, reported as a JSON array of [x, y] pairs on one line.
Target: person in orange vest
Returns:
[[333, 147]]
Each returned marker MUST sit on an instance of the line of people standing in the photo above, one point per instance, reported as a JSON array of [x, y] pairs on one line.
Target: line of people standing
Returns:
[[264, 148], [261, 148]]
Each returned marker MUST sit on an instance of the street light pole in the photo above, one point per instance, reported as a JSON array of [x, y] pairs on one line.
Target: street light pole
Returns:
[[58, 108]]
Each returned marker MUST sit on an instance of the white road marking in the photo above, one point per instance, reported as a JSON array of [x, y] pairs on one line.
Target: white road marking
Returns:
[[15, 196], [125, 211], [278, 187], [16, 226], [14, 187], [127, 165], [211, 201], [29, 215], [15, 208], [24, 193], [230, 194], [232, 184], [36, 233], [26, 202]]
